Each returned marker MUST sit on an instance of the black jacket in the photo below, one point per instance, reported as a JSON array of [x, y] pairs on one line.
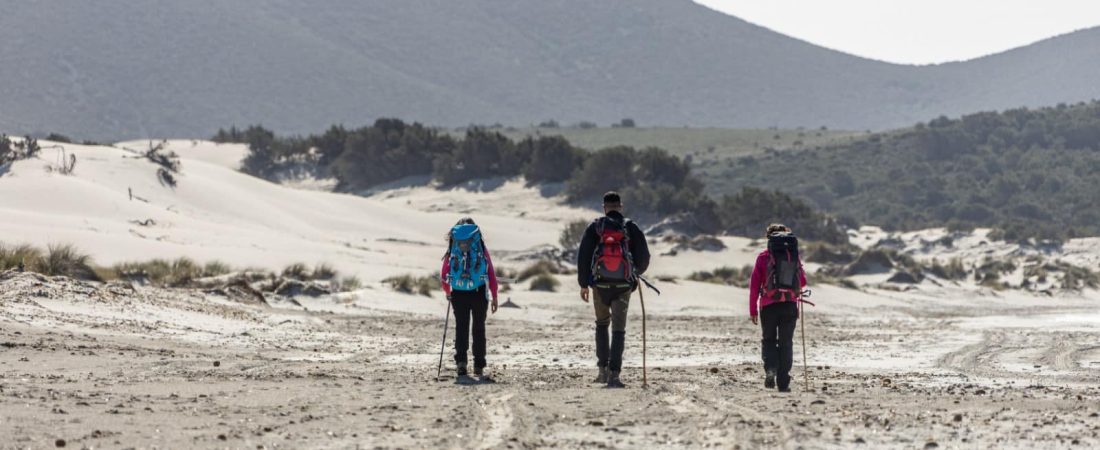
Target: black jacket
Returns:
[[639, 249]]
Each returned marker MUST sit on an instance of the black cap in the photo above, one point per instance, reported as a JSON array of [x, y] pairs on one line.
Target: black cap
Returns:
[[612, 198]]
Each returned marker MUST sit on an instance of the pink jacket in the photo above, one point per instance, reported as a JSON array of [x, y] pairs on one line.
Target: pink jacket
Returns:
[[758, 299], [443, 273]]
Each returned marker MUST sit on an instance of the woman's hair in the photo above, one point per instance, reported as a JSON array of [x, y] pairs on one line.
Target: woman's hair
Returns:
[[451, 239], [776, 228]]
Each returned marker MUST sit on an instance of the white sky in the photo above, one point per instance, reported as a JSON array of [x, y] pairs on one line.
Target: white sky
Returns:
[[917, 32]]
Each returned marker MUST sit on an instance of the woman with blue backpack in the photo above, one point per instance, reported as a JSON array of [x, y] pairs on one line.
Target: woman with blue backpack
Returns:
[[775, 301], [470, 283]]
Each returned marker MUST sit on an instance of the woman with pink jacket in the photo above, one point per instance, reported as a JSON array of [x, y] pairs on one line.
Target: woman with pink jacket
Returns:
[[469, 281], [777, 308]]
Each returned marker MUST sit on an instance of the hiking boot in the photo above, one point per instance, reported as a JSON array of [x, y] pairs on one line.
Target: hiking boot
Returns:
[[602, 376], [785, 389], [613, 381], [479, 374], [769, 380], [463, 370]]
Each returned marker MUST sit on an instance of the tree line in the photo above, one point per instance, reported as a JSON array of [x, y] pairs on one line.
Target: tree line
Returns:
[[656, 184], [1028, 173]]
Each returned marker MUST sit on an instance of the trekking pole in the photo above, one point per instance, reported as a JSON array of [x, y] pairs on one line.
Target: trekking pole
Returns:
[[805, 366], [443, 346], [645, 381]]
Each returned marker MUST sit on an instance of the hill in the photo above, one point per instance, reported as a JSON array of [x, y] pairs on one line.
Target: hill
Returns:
[[135, 69], [1029, 173]]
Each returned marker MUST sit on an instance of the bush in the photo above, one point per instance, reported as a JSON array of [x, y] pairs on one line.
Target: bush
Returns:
[[26, 256], [411, 284], [749, 211], [540, 267], [67, 260], [545, 282], [571, 235], [324, 272], [178, 273], [348, 284], [552, 159], [725, 275], [297, 271], [216, 268]]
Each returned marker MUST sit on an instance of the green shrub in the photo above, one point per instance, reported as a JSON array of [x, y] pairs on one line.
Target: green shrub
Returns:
[[67, 260], [540, 267], [216, 268], [545, 282], [572, 234], [725, 275], [349, 283], [324, 272], [297, 271], [410, 284], [26, 255]]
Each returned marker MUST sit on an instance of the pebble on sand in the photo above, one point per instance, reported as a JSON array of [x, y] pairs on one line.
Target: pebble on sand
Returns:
[[59, 443], [217, 363]]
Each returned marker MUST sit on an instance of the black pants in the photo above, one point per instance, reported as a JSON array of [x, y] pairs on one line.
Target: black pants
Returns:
[[465, 305], [778, 321]]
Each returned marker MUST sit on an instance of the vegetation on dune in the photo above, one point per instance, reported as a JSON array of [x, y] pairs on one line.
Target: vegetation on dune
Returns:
[[545, 282], [571, 235], [67, 260], [11, 151], [412, 284], [655, 183], [1028, 173], [728, 276]]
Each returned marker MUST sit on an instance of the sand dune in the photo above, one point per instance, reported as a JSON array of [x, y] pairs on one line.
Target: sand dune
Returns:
[[942, 364]]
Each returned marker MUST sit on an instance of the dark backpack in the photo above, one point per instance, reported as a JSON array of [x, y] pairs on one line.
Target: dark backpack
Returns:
[[612, 264], [784, 274]]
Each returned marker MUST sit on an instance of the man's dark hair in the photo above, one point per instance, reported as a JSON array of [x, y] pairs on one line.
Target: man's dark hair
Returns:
[[612, 198]]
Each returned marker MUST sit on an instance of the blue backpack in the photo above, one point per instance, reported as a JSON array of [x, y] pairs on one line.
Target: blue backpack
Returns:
[[469, 270]]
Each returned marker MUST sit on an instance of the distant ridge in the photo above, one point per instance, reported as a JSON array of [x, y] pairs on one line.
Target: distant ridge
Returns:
[[122, 69]]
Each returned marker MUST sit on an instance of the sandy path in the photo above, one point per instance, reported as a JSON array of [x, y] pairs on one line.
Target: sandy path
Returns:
[[74, 366]]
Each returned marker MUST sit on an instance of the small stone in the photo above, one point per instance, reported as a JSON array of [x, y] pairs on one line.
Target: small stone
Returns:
[[713, 370], [596, 423], [860, 440], [217, 363], [930, 445], [59, 443], [958, 418], [221, 437], [818, 402]]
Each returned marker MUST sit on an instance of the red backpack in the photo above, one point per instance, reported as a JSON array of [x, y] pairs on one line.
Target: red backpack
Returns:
[[612, 264]]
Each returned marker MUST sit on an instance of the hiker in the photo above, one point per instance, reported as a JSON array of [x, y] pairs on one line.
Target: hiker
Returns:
[[467, 273], [612, 254], [775, 299]]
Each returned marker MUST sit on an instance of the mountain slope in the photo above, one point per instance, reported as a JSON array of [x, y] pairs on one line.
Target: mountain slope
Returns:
[[129, 69]]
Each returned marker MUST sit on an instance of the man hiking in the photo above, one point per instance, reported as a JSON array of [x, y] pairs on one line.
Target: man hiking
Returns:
[[613, 254], [775, 297]]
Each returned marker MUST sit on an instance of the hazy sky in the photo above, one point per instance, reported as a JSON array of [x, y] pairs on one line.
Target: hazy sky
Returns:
[[928, 31]]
